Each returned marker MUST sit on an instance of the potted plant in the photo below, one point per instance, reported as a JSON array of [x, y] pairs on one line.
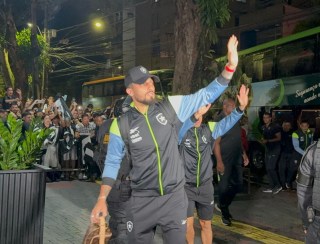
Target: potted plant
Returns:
[[22, 185]]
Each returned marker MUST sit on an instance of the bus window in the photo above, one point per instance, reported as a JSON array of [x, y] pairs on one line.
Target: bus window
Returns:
[[259, 66], [85, 91], [108, 89], [296, 58], [119, 88], [98, 90]]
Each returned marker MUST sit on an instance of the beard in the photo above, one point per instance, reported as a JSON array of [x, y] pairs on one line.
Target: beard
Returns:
[[147, 100]]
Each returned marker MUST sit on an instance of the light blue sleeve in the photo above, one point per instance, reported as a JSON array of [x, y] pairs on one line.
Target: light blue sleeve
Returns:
[[183, 130], [187, 105], [295, 143], [114, 157], [224, 125]]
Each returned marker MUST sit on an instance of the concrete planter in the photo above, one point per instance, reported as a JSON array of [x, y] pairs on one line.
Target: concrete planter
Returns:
[[22, 200]]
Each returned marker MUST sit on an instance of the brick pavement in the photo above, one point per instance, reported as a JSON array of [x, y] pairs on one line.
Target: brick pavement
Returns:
[[67, 211]]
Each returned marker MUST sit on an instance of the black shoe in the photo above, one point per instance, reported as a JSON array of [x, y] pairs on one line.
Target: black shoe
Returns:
[[276, 190], [225, 221]]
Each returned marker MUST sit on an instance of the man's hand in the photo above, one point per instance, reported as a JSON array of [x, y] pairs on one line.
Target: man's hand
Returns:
[[245, 159], [201, 111], [100, 209], [18, 91], [232, 52], [243, 97], [220, 167]]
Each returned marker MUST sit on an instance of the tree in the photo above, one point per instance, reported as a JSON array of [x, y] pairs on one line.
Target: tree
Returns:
[[195, 32], [13, 67], [14, 13]]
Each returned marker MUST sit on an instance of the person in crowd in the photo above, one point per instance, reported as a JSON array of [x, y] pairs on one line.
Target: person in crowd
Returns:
[[230, 154], [3, 114], [308, 189], [11, 98], [86, 127], [89, 108], [51, 156], [86, 130], [286, 154], [49, 105], [196, 152], [157, 174], [272, 140], [69, 148], [15, 110], [301, 140], [26, 118]]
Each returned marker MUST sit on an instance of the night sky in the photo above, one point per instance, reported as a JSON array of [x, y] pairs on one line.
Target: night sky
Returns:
[[75, 36]]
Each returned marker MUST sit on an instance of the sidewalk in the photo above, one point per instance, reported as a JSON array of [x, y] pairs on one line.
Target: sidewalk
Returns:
[[67, 211]]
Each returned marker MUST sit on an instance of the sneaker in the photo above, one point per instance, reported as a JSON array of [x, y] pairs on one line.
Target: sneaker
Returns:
[[276, 190], [267, 190], [225, 221], [288, 186]]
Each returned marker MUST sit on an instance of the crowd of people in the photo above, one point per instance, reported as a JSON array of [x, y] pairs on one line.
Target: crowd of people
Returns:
[[71, 150]]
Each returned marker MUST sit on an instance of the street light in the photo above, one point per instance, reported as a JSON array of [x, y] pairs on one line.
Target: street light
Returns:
[[98, 25]]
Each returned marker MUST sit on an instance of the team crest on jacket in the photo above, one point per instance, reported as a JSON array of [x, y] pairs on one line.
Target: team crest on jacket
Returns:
[[204, 139], [161, 119], [129, 226]]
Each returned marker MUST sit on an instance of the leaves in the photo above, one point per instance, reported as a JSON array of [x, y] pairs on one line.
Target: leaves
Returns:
[[17, 152], [213, 13]]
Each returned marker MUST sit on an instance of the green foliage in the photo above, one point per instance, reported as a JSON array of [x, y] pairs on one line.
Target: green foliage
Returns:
[[213, 13], [16, 152], [25, 48]]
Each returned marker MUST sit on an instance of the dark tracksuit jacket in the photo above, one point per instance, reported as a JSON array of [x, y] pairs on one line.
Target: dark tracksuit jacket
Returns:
[[196, 150], [157, 168], [196, 147]]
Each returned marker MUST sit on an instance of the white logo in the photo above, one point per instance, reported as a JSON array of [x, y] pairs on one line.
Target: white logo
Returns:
[[129, 226], [143, 70], [135, 135], [204, 139], [161, 119], [183, 222], [187, 143], [134, 130]]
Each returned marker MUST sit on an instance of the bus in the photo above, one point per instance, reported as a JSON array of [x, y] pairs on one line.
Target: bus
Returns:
[[285, 77], [104, 92]]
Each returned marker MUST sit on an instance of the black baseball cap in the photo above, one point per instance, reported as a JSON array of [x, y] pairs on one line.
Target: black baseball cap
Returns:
[[139, 75]]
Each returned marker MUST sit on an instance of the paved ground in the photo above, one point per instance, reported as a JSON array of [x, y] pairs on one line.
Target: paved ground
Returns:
[[260, 217]]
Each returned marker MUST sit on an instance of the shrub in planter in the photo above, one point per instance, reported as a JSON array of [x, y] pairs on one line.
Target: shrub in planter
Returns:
[[22, 186], [18, 153]]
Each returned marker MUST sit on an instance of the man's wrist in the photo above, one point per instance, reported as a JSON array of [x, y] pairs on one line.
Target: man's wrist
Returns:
[[240, 109]]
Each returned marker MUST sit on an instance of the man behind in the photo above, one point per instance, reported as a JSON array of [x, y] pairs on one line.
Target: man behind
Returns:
[[271, 138], [196, 151], [157, 174], [229, 152]]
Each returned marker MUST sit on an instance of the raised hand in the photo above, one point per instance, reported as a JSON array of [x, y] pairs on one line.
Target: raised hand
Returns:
[[243, 97], [201, 111], [232, 52]]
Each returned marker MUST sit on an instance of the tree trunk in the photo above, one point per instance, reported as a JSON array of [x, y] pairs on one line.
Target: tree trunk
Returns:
[[8, 79], [16, 63], [187, 31]]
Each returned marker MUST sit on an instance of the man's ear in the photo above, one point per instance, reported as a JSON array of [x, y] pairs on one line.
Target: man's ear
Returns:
[[129, 91]]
